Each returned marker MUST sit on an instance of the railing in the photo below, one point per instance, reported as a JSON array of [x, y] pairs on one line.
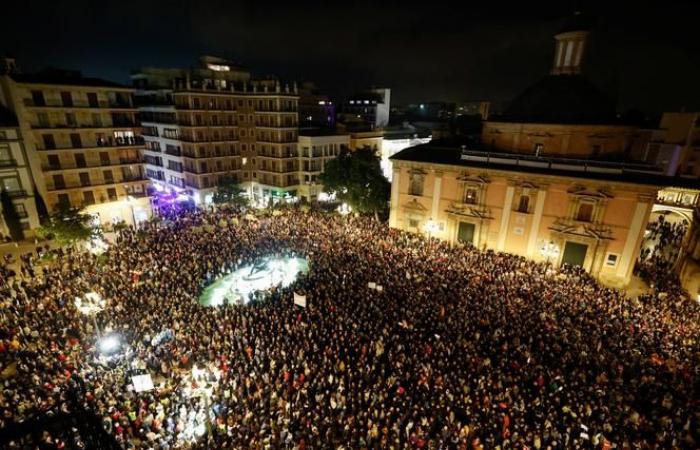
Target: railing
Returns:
[[579, 165], [8, 162], [75, 126], [17, 193], [173, 152], [104, 105]]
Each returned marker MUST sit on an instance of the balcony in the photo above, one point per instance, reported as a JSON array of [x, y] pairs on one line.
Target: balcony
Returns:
[[63, 186], [79, 105], [8, 163], [85, 126], [173, 151], [106, 143], [122, 162], [15, 193]]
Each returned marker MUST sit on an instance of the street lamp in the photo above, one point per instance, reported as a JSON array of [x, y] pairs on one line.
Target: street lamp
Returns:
[[549, 250], [91, 304], [344, 209], [431, 227]]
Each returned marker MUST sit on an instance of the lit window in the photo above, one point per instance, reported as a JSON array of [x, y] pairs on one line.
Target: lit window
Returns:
[[321, 102], [538, 148], [352, 102], [366, 102], [470, 196]]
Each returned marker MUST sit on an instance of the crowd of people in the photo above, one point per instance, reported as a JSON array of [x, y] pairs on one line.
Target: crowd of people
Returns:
[[461, 349], [660, 250]]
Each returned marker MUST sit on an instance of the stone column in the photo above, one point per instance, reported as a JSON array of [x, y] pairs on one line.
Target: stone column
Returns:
[[505, 217], [535, 227], [394, 206]]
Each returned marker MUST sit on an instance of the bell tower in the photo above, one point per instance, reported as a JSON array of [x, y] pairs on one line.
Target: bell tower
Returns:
[[570, 46]]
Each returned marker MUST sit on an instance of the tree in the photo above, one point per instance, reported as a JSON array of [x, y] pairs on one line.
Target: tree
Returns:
[[68, 226], [228, 192], [357, 179], [9, 213]]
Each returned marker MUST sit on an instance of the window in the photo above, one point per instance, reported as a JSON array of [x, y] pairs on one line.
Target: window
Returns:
[[58, 182], [413, 223], [80, 160], [75, 140], [416, 187], [538, 149], [596, 150], [84, 179], [104, 159], [88, 198], [524, 203], [112, 194], [54, 162], [70, 120], [38, 98], [92, 100], [49, 143], [96, 120], [585, 212], [67, 99], [63, 200], [108, 176], [470, 196]]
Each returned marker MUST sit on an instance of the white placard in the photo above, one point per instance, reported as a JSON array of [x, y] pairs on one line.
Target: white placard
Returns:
[[372, 285], [142, 383], [300, 300], [380, 288]]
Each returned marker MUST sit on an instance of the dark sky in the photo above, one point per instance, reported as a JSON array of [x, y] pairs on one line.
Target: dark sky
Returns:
[[648, 56]]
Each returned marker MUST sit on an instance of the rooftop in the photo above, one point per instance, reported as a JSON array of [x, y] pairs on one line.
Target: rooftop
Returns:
[[568, 167], [64, 78], [561, 99]]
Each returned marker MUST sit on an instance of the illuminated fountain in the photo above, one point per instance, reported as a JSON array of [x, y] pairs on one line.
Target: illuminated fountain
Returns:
[[236, 287]]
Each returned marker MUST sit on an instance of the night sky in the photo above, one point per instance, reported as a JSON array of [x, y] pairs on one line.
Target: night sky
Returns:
[[648, 57]]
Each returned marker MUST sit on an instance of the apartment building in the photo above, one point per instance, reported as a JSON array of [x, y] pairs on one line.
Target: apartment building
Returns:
[[213, 121], [15, 176], [316, 148], [83, 143]]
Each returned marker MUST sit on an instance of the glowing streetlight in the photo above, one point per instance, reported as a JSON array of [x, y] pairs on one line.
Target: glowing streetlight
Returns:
[[90, 304], [549, 250], [431, 227], [344, 209]]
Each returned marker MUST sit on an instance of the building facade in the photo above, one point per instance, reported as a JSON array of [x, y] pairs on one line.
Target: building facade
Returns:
[[549, 209], [315, 150], [83, 143], [371, 108], [15, 175], [215, 121]]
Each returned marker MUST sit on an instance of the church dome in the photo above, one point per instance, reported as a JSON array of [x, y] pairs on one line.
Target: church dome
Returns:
[[564, 99]]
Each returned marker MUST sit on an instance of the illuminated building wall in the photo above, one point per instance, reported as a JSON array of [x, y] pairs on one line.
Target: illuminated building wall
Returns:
[[15, 174], [83, 142], [315, 150], [593, 218], [215, 121]]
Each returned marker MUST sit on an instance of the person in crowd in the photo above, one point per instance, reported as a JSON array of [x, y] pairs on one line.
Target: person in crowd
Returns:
[[461, 349]]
